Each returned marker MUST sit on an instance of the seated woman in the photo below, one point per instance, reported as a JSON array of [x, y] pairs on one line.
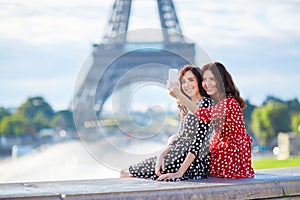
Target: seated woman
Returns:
[[187, 155], [230, 146]]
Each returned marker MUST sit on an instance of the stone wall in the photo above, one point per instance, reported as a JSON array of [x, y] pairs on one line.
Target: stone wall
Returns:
[[281, 183]]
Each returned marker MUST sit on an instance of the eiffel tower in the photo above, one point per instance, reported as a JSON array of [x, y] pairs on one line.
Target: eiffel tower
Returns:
[[114, 57], [118, 62]]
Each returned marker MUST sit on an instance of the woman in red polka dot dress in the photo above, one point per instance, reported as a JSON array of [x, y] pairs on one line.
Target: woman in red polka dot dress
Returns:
[[230, 145]]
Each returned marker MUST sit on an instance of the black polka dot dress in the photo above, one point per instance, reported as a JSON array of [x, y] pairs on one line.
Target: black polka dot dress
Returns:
[[193, 136]]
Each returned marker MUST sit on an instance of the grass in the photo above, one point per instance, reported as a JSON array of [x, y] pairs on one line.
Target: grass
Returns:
[[266, 163]]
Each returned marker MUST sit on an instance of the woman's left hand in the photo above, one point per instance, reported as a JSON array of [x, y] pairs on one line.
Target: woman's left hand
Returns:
[[169, 176]]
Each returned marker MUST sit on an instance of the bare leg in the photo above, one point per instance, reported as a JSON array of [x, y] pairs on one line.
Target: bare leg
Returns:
[[125, 174]]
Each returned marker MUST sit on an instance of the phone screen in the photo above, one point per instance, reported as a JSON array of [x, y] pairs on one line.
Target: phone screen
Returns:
[[173, 75]]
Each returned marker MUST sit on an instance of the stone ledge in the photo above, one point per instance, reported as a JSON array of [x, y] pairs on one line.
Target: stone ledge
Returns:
[[272, 183]]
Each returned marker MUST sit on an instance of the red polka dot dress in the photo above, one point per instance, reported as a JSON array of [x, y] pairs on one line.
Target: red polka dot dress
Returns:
[[230, 145]]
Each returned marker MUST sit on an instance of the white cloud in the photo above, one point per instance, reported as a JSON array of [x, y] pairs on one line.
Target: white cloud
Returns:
[[224, 23], [215, 23], [53, 22]]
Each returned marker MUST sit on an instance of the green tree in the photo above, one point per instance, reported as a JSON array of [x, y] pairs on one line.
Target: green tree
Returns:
[[247, 113], [272, 99], [260, 125], [41, 120], [295, 122], [270, 119], [35, 105], [63, 120], [30, 117], [293, 105], [3, 113], [37, 113], [12, 125]]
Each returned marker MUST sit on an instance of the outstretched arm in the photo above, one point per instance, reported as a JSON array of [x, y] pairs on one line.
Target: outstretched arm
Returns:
[[206, 114]]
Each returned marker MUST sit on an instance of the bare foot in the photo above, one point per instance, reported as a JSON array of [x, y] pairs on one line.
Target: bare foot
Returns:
[[125, 174]]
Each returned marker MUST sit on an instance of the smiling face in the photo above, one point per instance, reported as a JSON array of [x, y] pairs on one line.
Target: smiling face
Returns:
[[210, 83], [189, 85]]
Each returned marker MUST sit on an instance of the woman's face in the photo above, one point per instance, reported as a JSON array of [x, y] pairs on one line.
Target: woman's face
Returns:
[[209, 83], [189, 84]]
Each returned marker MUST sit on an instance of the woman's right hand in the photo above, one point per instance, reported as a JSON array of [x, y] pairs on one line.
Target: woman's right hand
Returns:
[[171, 91], [174, 89], [160, 164]]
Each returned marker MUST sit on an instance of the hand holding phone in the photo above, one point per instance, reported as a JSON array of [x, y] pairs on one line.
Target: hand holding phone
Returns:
[[173, 75]]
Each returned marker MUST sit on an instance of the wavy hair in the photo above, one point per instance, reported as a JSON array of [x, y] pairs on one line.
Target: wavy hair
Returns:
[[224, 81]]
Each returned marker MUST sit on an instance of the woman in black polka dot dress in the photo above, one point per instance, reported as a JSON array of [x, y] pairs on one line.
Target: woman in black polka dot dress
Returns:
[[187, 155]]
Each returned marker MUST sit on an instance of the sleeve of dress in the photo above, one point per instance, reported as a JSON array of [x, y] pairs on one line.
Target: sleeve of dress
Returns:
[[213, 112], [200, 140]]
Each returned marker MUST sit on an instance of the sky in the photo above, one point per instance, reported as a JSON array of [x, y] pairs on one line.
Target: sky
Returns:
[[43, 44]]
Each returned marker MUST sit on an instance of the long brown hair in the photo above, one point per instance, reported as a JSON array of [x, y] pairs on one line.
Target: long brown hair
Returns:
[[224, 81]]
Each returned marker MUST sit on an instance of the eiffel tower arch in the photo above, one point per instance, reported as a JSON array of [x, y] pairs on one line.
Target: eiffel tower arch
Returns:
[[112, 58]]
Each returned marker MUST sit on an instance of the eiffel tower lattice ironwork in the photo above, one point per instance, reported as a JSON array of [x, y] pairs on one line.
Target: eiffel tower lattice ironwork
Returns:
[[114, 57]]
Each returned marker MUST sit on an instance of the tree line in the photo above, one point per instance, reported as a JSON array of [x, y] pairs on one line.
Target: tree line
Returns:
[[265, 121], [272, 117], [32, 116]]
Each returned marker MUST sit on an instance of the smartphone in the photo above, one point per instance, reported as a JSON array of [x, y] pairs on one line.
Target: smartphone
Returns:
[[173, 75]]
